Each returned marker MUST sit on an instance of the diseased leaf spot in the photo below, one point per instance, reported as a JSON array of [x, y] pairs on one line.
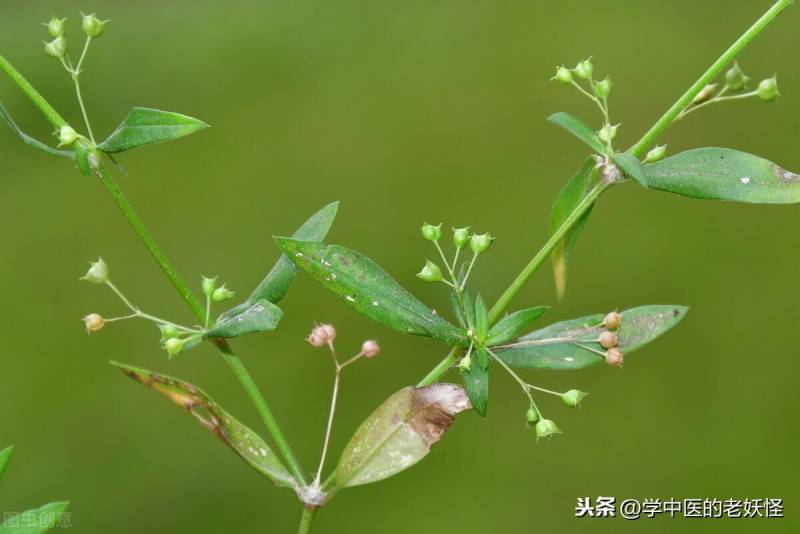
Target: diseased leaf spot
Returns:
[[785, 176]]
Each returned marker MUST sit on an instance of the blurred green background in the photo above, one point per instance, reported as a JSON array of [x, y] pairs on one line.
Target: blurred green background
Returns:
[[406, 112]]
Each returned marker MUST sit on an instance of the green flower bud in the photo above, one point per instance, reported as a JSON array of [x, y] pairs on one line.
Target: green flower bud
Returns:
[[431, 272], [221, 294], [563, 75], [168, 331], [603, 88], [584, 69], [573, 397], [768, 89], [209, 285], [55, 26], [545, 428], [465, 363], [656, 154], [460, 237], [480, 243], [706, 93], [607, 133], [431, 232], [532, 415], [735, 79], [174, 346], [92, 26], [56, 48], [67, 135], [97, 273]]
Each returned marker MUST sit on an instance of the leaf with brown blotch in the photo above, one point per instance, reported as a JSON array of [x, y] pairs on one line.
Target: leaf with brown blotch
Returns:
[[400, 433], [245, 442]]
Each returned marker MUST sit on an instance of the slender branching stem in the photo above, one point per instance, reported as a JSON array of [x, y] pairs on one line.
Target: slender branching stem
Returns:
[[717, 99], [309, 512]]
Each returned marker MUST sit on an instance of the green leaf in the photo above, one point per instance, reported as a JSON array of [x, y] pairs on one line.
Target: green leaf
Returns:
[[579, 129], [566, 202], [363, 285], [244, 442], [5, 458], [277, 282], [462, 320], [469, 309], [145, 126], [27, 139], [262, 316], [571, 344], [476, 384], [724, 174], [35, 521], [82, 157], [514, 325], [631, 166], [481, 319], [399, 433]]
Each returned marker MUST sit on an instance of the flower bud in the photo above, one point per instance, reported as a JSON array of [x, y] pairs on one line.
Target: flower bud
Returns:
[[55, 26], [209, 285], [168, 331], [573, 397], [460, 237], [221, 294], [67, 135], [92, 26], [465, 363], [612, 320], [322, 334], [173, 346], [370, 348], [563, 75], [735, 79], [608, 340], [532, 416], [607, 133], [545, 428], [706, 93], [97, 273], [56, 48], [768, 89], [480, 243], [614, 357], [431, 232], [603, 88], [431, 272], [657, 153], [584, 69], [93, 322]]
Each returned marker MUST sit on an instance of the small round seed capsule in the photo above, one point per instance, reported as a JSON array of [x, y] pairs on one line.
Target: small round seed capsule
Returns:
[[584, 69], [614, 357], [93, 322], [612, 320], [768, 89], [432, 232], [370, 348], [563, 75], [608, 340], [431, 272], [532, 416], [603, 88]]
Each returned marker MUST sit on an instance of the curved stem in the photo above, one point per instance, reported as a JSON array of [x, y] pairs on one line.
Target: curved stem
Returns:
[[712, 72]]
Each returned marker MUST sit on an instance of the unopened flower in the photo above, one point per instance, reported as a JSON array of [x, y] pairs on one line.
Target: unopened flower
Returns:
[[532, 415], [431, 272], [93, 322], [92, 26], [584, 69], [563, 75], [603, 88], [67, 135], [768, 89], [56, 48], [460, 237], [480, 243], [209, 285], [608, 340], [546, 428], [55, 26], [322, 334], [370, 348], [221, 294], [431, 232], [615, 357], [573, 397], [173, 346], [612, 320], [97, 273]]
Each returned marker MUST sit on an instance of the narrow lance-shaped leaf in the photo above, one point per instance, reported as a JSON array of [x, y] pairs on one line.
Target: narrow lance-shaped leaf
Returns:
[[573, 344], [145, 126], [476, 381], [724, 174], [481, 319], [5, 458], [275, 285], [514, 325], [363, 285], [28, 140], [631, 166], [566, 202], [261, 316], [35, 521], [246, 443], [579, 129], [399, 433]]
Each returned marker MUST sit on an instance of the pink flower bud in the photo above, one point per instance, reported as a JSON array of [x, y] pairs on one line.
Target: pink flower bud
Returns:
[[322, 334], [370, 348], [614, 357]]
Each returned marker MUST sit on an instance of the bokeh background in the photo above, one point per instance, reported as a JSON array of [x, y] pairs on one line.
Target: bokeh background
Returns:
[[406, 112]]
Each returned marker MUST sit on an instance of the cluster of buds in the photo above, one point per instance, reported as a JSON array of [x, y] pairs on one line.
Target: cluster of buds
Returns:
[[462, 237], [322, 334], [584, 70], [57, 47], [610, 340], [214, 293]]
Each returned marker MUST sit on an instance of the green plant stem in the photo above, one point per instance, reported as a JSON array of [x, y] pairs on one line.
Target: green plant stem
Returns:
[[538, 260], [309, 512], [38, 100], [713, 71], [440, 369], [197, 308]]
